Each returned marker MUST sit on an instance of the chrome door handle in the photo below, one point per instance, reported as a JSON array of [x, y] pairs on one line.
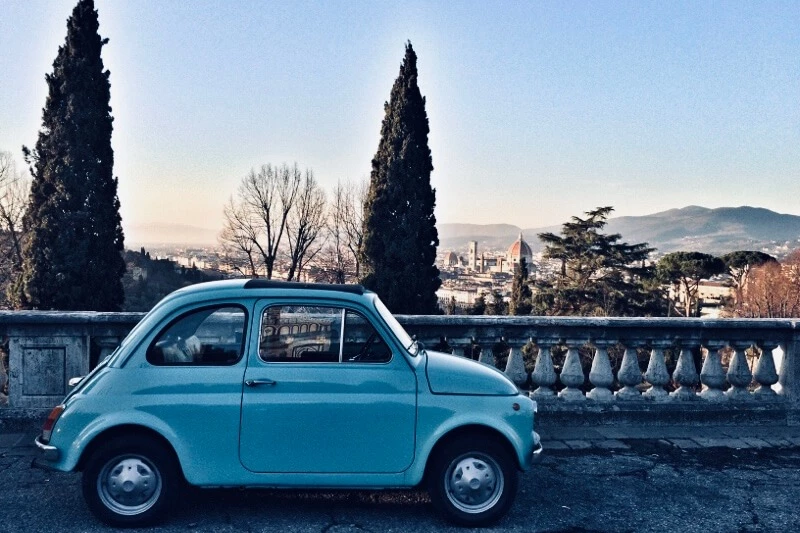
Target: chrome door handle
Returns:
[[257, 382]]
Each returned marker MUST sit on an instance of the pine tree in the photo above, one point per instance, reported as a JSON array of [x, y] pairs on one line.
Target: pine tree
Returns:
[[599, 275], [520, 303], [72, 258], [400, 237]]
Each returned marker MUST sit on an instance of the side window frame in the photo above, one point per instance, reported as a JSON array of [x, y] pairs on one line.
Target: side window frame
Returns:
[[185, 313]]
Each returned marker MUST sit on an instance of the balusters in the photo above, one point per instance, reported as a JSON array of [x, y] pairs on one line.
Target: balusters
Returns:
[[685, 376], [487, 355], [765, 375], [461, 346], [657, 375], [712, 376], [601, 375], [515, 364], [572, 374], [629, 375], [739, 375], [544, 374]]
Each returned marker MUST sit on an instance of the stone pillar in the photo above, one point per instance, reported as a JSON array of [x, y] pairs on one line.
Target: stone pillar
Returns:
[[629, 375], [487, 356], [106, 345], [657, 374], [572, 374], [685, 376], [789, 377], [3, 371], [739, 375], [544, 374], [461, 346], [712, 376], [601, 375], [515, 366], [765, 375]]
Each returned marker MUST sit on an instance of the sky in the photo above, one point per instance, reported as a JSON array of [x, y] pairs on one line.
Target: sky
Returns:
[[538, 110]]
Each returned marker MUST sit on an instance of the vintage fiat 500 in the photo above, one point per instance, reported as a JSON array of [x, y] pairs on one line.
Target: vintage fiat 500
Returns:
[[271, 384]]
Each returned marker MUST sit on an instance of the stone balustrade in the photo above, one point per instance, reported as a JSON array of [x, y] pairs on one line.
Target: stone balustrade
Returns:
[[636, 369], [592, 370]]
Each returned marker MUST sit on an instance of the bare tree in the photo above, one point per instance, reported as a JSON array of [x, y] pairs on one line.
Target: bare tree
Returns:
[[772, 290], [238, 239], [14, 187], [352, 213], [256, 219], [305, 224], [336, 262]]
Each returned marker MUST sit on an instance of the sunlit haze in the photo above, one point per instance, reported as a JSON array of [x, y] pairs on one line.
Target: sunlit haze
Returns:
[[537, 111]]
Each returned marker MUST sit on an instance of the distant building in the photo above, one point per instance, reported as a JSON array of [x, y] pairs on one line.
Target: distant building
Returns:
[[473, 255], [451, 259], [517, 251]]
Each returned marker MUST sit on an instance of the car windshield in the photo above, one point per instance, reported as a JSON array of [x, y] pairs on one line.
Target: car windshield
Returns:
[[408, 343]]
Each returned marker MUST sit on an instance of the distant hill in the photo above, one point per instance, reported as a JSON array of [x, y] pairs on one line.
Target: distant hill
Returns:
[[692, 228]]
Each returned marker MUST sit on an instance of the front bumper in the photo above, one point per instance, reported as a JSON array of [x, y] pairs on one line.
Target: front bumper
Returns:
[[47, 453]]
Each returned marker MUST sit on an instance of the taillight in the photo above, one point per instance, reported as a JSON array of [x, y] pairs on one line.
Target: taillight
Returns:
[[47, 428]]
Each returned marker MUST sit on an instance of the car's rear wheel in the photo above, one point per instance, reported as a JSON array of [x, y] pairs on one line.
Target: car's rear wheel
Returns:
[[130, 481], [473, 481]]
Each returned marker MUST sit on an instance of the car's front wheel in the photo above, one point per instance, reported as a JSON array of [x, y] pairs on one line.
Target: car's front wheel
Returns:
[[473, 481], [130, 481]]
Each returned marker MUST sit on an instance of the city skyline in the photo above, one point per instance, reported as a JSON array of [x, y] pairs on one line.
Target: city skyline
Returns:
[[536, 112]]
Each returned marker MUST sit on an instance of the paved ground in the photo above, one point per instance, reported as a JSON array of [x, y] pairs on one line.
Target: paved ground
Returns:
[[590, 480], [683, 437]]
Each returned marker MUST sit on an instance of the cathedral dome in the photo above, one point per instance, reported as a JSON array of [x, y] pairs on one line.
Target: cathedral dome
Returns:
[[451, 259], [519, 249]]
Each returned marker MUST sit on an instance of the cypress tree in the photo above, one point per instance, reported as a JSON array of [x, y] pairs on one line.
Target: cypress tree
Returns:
[[400, 237], [521, 294], [72, 258]]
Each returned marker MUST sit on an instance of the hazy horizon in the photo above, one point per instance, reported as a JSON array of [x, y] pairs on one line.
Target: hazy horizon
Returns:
[[537, 111], [180, 234]]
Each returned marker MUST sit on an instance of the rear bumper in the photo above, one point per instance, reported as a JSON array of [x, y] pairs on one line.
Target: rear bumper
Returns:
[[536, 454], [47, 453]]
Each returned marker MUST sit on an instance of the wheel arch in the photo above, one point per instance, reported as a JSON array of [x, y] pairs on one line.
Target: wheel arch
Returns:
[[126, 430], [466, 432]]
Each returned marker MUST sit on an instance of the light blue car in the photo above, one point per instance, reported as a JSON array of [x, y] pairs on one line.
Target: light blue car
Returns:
[[271, 384]]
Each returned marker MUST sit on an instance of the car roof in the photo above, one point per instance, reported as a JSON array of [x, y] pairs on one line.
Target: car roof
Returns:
[[260, 285]]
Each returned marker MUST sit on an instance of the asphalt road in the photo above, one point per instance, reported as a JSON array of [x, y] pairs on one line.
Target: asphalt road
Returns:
[[651, 487]]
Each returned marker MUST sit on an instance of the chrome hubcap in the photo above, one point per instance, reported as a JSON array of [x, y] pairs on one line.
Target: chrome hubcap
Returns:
[[474, 483], [129, 485]]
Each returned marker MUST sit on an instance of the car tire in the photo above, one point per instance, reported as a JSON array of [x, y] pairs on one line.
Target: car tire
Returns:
[[131, 481], [473, 481]]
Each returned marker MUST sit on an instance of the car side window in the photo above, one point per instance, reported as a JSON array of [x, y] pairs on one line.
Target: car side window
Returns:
[[318, 334], [300, 334], [204, 337]]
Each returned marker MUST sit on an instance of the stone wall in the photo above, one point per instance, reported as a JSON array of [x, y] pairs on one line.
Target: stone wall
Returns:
[[580, 370]]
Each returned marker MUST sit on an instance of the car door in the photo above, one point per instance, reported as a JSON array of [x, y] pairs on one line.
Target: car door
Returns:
[[325, 393]]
